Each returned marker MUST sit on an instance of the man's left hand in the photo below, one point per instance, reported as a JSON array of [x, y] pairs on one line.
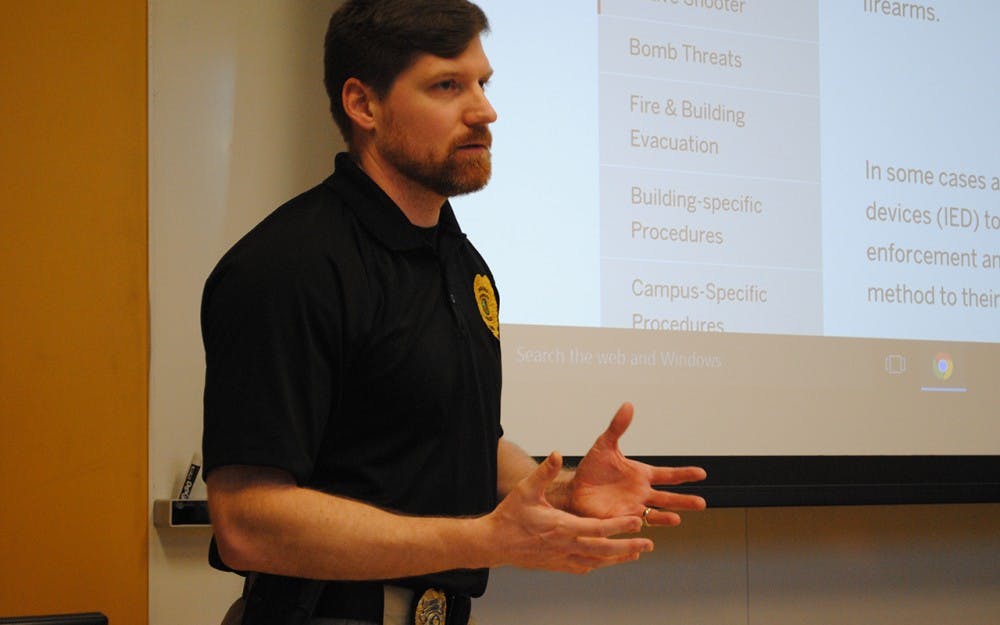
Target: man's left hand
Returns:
[[606, 484]]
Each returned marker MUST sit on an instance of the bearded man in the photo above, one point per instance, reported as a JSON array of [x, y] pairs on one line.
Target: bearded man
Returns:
[[356, 465]]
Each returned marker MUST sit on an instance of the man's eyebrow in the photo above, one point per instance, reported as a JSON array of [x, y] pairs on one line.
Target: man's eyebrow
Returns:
[[446, 74]]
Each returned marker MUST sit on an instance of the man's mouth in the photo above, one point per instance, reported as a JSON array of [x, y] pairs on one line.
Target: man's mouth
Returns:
[[474, 147], [478, 141]]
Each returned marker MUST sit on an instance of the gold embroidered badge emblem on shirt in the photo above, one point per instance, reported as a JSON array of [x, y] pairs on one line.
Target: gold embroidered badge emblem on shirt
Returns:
[[487, 300]]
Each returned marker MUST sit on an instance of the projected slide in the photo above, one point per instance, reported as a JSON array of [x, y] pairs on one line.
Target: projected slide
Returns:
[[792, 204], [709, 152]]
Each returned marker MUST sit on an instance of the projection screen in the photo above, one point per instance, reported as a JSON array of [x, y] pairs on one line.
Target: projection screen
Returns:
[[774, 226]]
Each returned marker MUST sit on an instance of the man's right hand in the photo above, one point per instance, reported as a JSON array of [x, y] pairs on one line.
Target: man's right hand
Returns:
[[527, 531]]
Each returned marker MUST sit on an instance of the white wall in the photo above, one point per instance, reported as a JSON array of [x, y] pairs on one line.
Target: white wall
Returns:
[[919, 565], [238, 123]]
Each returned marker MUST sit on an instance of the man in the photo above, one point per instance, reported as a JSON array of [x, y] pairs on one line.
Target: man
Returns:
[[352, 426]]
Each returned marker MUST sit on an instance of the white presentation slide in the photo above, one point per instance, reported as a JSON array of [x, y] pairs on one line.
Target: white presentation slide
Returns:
[[774, 225]]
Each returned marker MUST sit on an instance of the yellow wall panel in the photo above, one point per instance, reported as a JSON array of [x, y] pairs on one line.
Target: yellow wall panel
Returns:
[[74, 320]]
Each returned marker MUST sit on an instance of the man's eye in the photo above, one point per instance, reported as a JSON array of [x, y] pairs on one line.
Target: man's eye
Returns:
[[448, 85]]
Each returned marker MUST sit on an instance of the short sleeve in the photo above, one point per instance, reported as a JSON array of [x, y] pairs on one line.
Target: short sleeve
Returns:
[[271, 327]]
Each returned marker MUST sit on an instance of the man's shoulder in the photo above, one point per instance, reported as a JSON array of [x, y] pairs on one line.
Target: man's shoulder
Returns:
[[310, 216], [312, 223], [308, 238]]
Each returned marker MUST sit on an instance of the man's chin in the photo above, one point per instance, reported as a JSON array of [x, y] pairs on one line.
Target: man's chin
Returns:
[[470, 177], [472, 188]]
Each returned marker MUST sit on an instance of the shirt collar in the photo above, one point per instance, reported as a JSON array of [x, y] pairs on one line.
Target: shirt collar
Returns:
[[379, 214]]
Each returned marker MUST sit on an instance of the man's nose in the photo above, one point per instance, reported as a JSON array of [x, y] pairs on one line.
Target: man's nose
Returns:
[[480, 111]]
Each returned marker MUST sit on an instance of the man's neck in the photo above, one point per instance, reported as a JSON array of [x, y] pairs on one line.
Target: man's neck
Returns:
[[420, 205]]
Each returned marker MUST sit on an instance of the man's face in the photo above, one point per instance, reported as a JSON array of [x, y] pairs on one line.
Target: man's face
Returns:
[[434, 128]]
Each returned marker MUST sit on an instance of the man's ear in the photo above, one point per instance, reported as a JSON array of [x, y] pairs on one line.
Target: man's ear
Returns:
[[360, 104]]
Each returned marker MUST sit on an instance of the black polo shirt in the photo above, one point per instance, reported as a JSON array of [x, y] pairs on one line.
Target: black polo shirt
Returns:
[[359, 353]]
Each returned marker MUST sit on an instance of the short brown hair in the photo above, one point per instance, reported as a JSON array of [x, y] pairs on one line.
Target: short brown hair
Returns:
[[376, 40]]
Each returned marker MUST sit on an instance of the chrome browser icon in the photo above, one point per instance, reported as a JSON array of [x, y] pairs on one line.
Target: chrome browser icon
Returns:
[[943, 366]]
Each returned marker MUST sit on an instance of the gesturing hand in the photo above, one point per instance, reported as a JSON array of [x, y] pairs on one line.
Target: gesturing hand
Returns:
[[607, 484], [529, 532]]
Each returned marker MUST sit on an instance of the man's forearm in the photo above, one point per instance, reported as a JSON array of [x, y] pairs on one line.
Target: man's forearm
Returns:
[[272, 525], [264, 522]]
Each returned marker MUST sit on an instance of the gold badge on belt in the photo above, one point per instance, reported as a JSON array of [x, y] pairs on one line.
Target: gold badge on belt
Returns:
[[431, 608]]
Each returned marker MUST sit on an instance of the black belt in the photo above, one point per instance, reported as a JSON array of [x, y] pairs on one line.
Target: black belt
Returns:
[[363, 601]]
